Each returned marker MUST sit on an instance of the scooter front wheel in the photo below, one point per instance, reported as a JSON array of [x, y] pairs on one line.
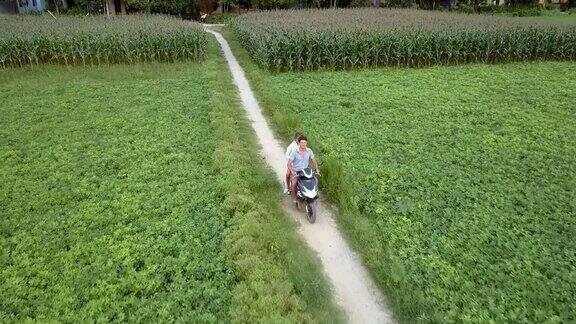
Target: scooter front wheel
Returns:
[[311, 211]]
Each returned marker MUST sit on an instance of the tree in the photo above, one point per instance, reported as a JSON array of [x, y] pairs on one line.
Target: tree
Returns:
[[192, 10], [428, 4], [89, 6]]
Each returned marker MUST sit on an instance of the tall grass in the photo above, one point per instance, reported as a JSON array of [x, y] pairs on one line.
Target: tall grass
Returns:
[[31, 40], [351, 38]]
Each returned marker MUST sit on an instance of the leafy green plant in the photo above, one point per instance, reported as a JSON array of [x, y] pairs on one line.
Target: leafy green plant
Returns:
[[108, 210]]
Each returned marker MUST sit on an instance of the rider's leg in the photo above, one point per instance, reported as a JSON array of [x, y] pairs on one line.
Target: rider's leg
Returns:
[[293, 179], [287, 180]]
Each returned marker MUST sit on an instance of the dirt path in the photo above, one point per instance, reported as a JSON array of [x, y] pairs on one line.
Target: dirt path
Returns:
[[353, 289]]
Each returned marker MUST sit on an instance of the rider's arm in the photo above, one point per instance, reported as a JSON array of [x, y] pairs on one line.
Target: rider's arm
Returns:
[[289, 165], [315, 164]]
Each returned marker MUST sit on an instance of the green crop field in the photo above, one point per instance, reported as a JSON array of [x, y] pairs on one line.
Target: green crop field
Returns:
[[108, 209], [69, 40], [456, 184], [135, 192], [130, 193], [361, 38]]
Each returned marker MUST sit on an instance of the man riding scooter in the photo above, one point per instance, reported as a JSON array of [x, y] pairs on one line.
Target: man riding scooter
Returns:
[[298, 161]]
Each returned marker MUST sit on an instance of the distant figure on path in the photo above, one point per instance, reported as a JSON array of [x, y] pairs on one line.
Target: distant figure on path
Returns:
[[203, 17]]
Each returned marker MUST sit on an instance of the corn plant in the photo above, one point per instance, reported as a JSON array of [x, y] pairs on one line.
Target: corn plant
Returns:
[[31, 40], [358, 38]]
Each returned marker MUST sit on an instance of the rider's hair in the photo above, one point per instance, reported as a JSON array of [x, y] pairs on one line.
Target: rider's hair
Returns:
[[302, 138], [297, 136]]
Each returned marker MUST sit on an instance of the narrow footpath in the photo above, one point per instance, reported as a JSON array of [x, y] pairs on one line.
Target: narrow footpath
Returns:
[[352, 287]]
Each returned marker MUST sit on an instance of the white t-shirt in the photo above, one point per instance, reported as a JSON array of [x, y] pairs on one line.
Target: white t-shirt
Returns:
[[300, 161], [293, 146]]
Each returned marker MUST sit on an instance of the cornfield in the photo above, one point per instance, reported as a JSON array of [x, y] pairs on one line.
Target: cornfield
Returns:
[[358, 38], [31, 40]]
